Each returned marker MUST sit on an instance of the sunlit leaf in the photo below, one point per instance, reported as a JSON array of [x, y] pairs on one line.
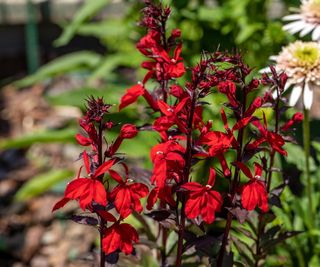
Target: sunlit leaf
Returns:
[[48, 136], [42, 183]]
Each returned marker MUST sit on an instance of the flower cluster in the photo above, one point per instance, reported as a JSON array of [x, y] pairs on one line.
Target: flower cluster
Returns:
[[187, 138], [92, 190]]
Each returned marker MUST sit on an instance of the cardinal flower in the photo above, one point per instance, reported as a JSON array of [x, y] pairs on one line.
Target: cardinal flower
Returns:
[[202, 200], [301, 62], [296, 118], [306, 20], [274, 140], [132, 95], [218, 144], [86, 190], [167, 159], [254, 192], [119, 236], [126, 196]]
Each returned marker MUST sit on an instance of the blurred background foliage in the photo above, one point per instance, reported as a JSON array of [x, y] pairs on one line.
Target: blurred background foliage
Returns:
[[251, 26]]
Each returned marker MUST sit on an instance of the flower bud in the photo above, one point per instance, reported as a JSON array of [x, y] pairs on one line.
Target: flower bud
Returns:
[[128, 131]]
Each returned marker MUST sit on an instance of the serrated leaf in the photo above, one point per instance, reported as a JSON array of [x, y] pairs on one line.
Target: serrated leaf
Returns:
[[48, 136], [72, 62], [42, 183], [87, 11]]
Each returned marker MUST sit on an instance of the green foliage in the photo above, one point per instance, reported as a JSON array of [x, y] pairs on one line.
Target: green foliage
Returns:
[[47, 136], [78, 61], [86, 12], [41, 183]]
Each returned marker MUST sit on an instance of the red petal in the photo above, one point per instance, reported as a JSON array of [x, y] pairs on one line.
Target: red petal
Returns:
[[111, 240], [116, 176], [131, 95], [165, 108], [107, 216], [122, 201], [152, 198], [84, 141], [192, 186], [257, 169], [139, 189], [128, 235], [242, 123], [244, 169], [60, 204], [104, 168], [193, 206], [212, 177], [86, 161]]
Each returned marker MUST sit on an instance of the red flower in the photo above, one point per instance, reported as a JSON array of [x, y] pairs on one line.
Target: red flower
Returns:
[[86, 190], [167, 159], [228, 88], [296, 118], [132, 95], [202, 200], [128, 131], [164, 193], [218, 143], [254, 192], [119, 236], [171, 116], [274, 140], [126, 196]]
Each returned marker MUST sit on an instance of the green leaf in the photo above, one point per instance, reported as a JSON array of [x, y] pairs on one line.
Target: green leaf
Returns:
[[48, 136], [72, 62], [86, 12], [247, 31], [41, 183], [296, 157]]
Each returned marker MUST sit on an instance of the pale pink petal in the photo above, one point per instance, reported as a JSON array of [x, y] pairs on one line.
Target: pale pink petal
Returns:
[[307, 95], [295, 94], [307, 30], [294, 27], [292, 17], [316, 34]]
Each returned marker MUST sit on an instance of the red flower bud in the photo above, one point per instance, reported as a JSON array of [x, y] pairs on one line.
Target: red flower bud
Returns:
[[128, 131]]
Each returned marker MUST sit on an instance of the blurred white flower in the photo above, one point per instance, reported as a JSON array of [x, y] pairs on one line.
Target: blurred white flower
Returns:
[[301, 62], [305, 20]]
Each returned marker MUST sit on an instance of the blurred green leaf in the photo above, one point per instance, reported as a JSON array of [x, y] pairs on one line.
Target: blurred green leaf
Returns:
[[72, 62], [41, 183], [86, 12], [48, 136], [77, 97], [149, 261], [247, 31], [296, 157]]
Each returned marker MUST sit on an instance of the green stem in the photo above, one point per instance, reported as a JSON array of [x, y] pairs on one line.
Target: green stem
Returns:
[[306, 144]]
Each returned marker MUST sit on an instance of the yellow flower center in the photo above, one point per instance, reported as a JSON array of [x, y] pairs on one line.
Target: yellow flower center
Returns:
[[306, 55], [311, 10]]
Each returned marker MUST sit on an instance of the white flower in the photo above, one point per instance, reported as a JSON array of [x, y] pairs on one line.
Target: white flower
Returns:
[[301, 62], [305, 20]]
